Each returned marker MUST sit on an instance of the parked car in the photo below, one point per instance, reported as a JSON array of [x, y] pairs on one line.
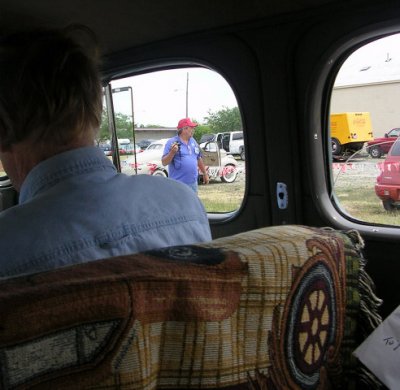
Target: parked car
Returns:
[[129, 149], [231, 141], [144, 143], [149, 161], [387, 186], [381, 145], [106, 148], [219, 164], [207, 138]]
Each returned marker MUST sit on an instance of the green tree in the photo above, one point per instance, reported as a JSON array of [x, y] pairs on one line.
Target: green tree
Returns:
[[225, 120], [200, 130], [123, 124], [150, 126]]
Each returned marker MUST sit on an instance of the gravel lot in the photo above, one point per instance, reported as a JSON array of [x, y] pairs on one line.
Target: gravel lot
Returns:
[[358, 173]]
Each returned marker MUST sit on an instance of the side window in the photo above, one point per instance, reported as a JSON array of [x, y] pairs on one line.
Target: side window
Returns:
[[395, 149], [237, 136], [210, 147], [364, 126], [155, 102], [394, 133]]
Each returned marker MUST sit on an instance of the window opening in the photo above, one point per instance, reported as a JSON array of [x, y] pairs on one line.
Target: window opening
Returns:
[[147, 109], [364, 125]]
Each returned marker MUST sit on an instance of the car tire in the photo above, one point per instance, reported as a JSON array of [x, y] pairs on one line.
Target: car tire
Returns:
[[388, 205], [229, 175], [336, 146], [375, 152], [159, 172], [242, 154]]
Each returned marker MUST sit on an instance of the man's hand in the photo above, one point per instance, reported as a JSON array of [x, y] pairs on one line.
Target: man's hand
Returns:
[[174, 148], [203, 170], [165, 160]]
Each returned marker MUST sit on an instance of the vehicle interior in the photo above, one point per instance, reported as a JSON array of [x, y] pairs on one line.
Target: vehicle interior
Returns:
[[281, 60]]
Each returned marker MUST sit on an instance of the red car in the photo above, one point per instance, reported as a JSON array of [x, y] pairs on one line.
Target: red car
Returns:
[[387, 186], [380, 146]]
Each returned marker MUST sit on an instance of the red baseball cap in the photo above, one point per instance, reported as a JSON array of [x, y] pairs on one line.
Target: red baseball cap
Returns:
[[186, 122]]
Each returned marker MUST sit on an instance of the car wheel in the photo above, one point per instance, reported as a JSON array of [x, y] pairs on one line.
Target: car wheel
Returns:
[[388, 205], [336, 146], [375, 152], [242, 154], [159, 172], [229, 173]]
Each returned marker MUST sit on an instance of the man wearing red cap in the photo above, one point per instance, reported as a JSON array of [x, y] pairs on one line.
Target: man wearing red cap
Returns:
[[183, 157]]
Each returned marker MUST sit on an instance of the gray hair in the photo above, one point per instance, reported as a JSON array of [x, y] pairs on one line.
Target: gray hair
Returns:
[[50, 87]]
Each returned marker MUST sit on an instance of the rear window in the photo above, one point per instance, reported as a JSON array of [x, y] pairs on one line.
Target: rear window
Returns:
[[395, 149]]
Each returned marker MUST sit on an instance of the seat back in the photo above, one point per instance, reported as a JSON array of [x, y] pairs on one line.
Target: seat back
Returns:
[[275, 308]]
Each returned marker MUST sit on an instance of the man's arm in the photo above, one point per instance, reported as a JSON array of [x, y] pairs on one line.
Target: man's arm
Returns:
[[203, 170]]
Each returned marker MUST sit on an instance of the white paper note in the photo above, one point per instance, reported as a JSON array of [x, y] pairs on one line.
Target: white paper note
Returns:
[[380, 352]]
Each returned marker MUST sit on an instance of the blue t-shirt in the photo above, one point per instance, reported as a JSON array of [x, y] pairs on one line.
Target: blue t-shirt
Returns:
[[75, 207], [183, 166]]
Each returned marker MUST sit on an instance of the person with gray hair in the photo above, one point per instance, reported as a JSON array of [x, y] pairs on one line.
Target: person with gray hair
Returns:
[[73, 205]]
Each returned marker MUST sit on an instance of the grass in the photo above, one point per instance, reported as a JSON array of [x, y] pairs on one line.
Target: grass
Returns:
[[354, 191], [364, 205], [356, 196], [218, 197]]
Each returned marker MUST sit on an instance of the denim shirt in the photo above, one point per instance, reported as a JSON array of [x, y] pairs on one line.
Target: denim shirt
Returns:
[[75, 207]]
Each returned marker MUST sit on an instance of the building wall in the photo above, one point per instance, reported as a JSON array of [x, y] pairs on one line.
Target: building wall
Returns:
[[382, 100], [156, 134], [150, 133]]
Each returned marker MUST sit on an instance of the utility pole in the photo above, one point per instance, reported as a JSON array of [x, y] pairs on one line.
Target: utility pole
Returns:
[[187, 94]]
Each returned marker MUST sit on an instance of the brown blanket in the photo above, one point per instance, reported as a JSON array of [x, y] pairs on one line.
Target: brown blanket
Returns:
[[262, 309]]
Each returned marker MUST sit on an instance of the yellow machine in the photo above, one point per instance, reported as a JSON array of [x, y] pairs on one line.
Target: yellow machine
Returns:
[[349, 131]]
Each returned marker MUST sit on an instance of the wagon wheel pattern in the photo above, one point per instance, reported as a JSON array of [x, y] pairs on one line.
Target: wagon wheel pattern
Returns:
[[314, 330], [305, 336]]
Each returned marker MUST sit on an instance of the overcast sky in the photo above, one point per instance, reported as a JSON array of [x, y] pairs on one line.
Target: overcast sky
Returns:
[[160, 97], [375, 62]]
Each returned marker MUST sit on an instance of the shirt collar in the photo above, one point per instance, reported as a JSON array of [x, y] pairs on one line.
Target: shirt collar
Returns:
[[62, 166]]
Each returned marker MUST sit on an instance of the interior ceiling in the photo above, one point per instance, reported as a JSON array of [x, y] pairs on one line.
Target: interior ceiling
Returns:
[[120, 24]]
